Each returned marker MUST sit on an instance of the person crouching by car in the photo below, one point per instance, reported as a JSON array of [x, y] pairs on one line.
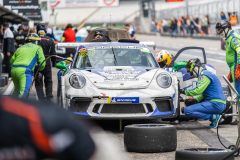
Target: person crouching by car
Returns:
[[210, 101], [100, 37]]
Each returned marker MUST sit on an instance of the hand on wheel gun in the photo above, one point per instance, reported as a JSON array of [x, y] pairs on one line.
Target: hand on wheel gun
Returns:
[[188, 102]]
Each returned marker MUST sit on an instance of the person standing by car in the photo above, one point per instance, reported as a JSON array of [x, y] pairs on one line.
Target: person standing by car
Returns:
[[20, 37], [69, 35], [48, 47], [130, 31], [23, 63], [210, 101], [8, 48]]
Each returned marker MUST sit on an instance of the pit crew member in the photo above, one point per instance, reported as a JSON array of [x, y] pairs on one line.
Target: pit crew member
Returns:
[[23, 63], [210, 101], [20, 37], [48, 47]]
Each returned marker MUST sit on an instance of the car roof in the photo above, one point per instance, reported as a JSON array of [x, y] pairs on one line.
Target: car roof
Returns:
[[113, 44]]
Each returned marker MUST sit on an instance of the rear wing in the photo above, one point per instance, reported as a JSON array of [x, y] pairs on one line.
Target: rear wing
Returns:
[[75, 45]]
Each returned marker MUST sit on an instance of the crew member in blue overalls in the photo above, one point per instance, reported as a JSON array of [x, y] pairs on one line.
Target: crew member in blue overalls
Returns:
[[210, 101]]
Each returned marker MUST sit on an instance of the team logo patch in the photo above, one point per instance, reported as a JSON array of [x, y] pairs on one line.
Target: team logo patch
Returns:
[[202, 78], [123, 100], [235, 41]]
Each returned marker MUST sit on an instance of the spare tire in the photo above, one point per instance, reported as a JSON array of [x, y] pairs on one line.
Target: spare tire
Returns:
[[227, 93], [150, 138], [203, 154]]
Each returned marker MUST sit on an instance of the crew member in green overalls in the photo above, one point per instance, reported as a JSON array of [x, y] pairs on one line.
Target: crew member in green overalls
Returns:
[[224, 28], [23, 63]]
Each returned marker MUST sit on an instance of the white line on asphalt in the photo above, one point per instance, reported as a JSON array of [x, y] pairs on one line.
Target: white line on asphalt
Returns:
[[9, 89], [213, 48]]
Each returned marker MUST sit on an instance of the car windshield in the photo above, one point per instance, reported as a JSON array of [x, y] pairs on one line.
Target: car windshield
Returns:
[[111, 56]]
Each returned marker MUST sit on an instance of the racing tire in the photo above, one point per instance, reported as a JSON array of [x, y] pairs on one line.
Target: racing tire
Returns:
[[150, 138], [203, 154], [227, 93]]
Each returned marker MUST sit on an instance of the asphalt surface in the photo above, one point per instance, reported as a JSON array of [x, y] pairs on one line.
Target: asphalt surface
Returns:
[[189, 134]]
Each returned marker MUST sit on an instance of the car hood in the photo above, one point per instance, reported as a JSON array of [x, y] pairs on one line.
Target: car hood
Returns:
[[116, 77]]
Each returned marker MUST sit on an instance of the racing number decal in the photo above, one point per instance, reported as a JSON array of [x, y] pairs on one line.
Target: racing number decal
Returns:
[[108, 4], [84, 53]]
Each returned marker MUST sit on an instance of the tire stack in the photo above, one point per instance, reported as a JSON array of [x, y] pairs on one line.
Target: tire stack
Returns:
[[150, 138]]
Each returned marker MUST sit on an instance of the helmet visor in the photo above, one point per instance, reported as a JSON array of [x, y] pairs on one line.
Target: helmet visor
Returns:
[[219, 30]]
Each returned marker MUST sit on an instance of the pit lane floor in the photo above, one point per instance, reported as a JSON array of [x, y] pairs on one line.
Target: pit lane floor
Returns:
[[189, 134]]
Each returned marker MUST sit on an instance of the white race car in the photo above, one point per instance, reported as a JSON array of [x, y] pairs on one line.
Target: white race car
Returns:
[[117, 81]]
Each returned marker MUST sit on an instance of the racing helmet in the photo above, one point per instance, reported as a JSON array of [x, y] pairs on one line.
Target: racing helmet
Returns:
[[98, 34], [33, 38], [164, 58], [41, 29], [193, 67], [223, 27]]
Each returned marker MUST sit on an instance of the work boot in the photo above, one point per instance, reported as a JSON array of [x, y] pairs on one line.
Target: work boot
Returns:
[[214, 121]]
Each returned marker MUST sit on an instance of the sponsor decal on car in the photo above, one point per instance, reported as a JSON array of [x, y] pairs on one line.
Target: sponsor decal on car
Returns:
[[123, 100], [123, 75]]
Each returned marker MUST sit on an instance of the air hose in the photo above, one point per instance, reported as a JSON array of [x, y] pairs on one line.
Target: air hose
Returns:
[[40, 67]]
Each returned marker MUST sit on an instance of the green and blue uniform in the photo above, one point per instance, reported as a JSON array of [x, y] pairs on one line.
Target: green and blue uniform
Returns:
[[209, 95], [233, 58], [23, 63]]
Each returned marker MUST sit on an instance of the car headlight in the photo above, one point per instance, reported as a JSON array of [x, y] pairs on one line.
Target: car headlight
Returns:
[[77, 81], [164, 80]]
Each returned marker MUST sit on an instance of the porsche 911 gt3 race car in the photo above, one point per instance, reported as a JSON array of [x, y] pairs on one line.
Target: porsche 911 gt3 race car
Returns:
[[117, 81]]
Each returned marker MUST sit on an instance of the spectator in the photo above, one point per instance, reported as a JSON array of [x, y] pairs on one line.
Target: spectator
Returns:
[[209, 23], [169, 25], [194, 26], [70, 36], [165, 25], [205, 25], [196, 19], [186, 23], [154, 25], [130, 31], [8, 48], [20, 37], [159, 26], [174, 27], [223, 16], [181, 24]]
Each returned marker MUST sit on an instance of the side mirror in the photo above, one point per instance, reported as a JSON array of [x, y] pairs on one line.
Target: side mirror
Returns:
[[62, 66]]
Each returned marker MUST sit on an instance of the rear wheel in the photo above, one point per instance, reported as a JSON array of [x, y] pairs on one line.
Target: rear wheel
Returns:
[[203, 154], [227, 93]]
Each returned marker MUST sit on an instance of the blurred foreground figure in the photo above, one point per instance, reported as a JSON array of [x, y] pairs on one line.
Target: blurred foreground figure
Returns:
[[33, 130], [36, 131]]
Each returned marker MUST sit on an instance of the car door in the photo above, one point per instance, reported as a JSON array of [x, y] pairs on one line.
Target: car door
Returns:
[[188, 53]]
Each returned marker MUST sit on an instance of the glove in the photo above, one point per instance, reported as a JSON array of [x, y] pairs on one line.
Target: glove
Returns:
[[39, 76], [190, 102], [230, 77], [237, 72], [182, 91]]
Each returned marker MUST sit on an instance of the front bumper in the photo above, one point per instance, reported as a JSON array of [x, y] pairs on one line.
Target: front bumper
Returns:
[[101, 108]]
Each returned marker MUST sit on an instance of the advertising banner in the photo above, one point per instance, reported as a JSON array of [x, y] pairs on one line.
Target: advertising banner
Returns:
[[29, 8], [83, 3], [20, 2]]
